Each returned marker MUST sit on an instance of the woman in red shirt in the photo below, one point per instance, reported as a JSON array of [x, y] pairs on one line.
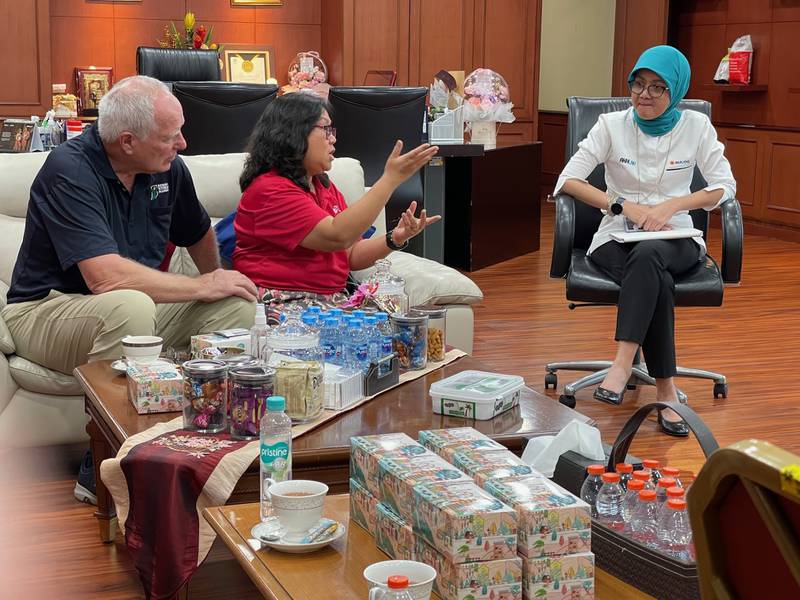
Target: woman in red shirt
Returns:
[[294, 231]]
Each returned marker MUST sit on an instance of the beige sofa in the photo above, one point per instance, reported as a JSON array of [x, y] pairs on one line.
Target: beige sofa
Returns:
[[41, 407]]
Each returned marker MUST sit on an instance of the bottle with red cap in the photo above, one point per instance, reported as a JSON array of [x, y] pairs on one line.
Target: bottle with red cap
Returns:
[[653, 467], [661, 489], [644, 524], [398, 589], [625, 471], [592, 485], [675, 533], [672, 492], [630, 501], [645, 477], [672, 472], [609, 501]]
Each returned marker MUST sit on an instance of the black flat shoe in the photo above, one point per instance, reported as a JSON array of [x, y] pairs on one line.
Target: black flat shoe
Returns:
[[608, 396], [674, 428]]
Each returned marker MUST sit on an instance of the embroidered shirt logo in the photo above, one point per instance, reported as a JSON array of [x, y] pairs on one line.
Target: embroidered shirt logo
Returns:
[[677, 165], [627, 161], [158, 189]]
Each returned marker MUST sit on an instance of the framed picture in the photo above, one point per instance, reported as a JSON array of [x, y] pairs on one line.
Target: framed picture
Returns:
[[16, 135], [256, 2], [91, 84], [248, 64]]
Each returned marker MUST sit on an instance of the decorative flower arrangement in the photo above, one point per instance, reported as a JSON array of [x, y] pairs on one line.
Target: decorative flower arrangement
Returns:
[[197, 38], [307, 72], [486, 97]]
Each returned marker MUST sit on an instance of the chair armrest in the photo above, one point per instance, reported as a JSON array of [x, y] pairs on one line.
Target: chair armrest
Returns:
[[563, 236], [732, 241]]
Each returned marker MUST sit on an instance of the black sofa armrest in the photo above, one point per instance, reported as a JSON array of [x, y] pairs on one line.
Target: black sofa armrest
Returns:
[[732, 241], [563, 236]]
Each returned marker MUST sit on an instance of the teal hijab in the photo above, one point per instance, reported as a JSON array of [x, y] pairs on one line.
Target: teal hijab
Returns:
[[671, 65]]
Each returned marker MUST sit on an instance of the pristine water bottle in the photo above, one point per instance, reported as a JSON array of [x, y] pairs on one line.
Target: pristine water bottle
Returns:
[[357, 350], [672, 472], [645, 477], [653, 467], [387, 336], [609, 501], [314, 310], [276, 449], [592, 485], [625, 474], [373, 339], [330, 341], [630, 501], [675, 537], [358, 314], [644, 523], [661, 489], [310, 319], [258, 334]]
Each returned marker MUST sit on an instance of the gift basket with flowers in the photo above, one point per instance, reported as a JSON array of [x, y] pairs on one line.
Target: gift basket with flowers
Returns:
[[486, 102], [308, 72]]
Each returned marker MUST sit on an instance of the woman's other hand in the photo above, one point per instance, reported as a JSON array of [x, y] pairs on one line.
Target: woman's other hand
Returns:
[[400, 167], [409, 225], [657, 217]]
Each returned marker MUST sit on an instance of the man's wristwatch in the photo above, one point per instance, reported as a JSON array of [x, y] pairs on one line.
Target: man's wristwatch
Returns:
[[615, 207], [390, 242]]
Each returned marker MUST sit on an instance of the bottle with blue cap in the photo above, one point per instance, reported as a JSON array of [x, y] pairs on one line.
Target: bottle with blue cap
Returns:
[[275, 449]]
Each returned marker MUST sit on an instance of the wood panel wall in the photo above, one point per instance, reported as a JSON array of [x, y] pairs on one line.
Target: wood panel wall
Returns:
[[553, 134]]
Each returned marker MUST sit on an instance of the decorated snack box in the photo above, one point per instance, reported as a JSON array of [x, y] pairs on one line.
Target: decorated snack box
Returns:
[[155, 387], [463, 522], [446, 442], [558, 577], [363, 507], [230, 341], [551, 521], [483, 466], [490, 580], [398, 475], [365, 451], [393, 534]]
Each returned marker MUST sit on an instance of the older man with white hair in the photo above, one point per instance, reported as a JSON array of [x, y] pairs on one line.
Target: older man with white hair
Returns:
[[102, 211]]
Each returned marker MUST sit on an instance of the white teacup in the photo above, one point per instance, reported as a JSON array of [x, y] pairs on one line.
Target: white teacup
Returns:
[[420, 577], [142, 348], [298, 503]]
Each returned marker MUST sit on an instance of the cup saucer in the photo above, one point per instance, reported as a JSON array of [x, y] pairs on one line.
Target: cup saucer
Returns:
[[121, 365], [290, 542]]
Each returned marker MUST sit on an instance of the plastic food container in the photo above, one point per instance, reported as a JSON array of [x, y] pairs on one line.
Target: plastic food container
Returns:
[[476, 394], [205, 396], [249, 387], [437, 330], [411, 341]]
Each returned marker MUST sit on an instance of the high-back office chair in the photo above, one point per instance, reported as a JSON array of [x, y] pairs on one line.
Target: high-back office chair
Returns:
[[219, 116], [576, 223], [368, 121], [744, 508], [178, 64]]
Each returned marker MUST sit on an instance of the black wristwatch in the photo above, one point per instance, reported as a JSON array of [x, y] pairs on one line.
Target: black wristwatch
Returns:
[[616, 206], [390, 242]]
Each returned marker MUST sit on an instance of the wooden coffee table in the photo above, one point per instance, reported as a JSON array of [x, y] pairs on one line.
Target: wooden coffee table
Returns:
[[322, 454]]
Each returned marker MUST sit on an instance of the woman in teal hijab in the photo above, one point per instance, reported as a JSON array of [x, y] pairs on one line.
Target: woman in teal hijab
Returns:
[[650, 152]]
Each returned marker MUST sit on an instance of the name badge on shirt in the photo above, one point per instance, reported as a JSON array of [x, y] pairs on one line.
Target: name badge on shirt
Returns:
[[158, 189]]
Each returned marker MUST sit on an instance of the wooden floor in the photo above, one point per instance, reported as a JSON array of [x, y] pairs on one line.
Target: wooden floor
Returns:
[[49, 546]]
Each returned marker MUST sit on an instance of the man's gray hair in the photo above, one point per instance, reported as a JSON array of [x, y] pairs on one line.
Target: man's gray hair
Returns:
[[129, 106]]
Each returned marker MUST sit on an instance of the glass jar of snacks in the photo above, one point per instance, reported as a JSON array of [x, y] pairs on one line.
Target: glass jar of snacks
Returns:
[[437, 330], [205, 395], [411, 341], [390, 292], [297, 357], [249, 387]]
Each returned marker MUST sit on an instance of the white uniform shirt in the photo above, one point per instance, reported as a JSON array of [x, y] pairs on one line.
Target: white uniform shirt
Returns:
[[648, 170]]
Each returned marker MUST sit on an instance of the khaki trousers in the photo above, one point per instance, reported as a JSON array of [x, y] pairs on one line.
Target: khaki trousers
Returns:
[[63, 331]]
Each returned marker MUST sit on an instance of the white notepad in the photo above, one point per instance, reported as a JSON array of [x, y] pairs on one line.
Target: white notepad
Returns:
[[633, 234]]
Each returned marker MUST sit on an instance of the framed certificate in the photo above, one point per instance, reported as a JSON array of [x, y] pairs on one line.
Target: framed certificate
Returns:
[[247, 64]]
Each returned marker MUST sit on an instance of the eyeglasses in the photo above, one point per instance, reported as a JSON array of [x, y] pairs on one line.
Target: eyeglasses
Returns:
[[330, 130], [654, 90]]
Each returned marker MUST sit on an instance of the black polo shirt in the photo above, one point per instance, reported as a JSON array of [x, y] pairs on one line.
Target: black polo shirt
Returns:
[[79, 209]]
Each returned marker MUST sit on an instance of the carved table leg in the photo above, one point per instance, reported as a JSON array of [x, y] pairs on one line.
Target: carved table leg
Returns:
[[106, 512]]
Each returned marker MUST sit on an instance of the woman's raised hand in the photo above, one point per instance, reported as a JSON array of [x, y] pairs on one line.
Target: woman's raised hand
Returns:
[[409, 225], [400, 167]]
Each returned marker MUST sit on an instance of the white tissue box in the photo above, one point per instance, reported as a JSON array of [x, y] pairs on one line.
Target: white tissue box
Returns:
[[342, 387]]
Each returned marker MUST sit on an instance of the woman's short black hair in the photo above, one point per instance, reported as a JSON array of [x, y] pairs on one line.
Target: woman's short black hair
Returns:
[[280, 138]]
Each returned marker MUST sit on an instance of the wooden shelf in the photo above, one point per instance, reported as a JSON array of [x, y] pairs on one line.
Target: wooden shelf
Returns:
[[733, 87]]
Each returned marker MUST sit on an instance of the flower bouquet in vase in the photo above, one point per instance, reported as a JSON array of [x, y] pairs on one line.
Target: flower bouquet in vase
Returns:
[[308, 73], [486, 103]]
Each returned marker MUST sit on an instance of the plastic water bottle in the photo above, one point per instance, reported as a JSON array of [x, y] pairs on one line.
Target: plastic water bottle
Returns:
[[653, 467], [675, 538], [387, 337], [625, 471], [644, 523], [398, 589], [357, 349], [592, 485], [673, 492], [276, 449], [645, 477], [310, 319], [609, 501], [373, 339], [258, 334], [314, 310], [672, 472], [661, 489], [630, 501], [330, 341]]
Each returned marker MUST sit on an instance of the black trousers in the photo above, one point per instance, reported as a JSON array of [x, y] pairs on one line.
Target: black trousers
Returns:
[[646, 307]]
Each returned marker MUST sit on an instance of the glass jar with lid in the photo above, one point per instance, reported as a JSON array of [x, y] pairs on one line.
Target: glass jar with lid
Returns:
[[437, 329], [411, 341], [390, 293], [297, 357], [249, 386], [205, 395]]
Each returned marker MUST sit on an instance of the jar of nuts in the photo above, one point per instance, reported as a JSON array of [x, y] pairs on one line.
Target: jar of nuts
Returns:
[[437, 318], [411, 341]]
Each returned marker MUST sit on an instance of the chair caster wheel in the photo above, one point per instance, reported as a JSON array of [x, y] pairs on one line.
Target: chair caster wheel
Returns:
[[550, 380], [720, 389], [568, 401]]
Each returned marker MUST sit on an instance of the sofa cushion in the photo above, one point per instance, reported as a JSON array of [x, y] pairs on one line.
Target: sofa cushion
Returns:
[[37, 379], [17, 172], [6, 341], [216, 180]]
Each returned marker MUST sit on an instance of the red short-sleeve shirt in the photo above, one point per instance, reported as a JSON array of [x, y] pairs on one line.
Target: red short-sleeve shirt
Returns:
[[274, 216]]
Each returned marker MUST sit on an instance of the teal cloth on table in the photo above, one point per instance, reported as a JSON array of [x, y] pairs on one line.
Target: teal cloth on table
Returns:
[[671, 65]]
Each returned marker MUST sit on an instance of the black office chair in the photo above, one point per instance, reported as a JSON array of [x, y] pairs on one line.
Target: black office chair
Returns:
[[178, 64], [368, 121], [220, 116], [576, 223]]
